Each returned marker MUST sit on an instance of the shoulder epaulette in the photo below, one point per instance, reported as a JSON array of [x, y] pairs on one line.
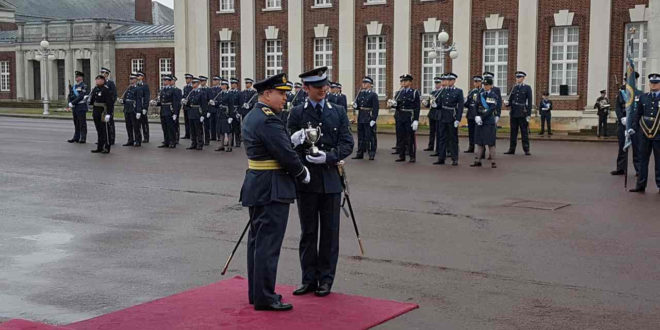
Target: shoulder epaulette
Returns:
[[267, 111]]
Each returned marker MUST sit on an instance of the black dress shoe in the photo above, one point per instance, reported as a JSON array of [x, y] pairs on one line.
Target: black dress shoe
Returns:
[[323, 290], [510, 152], [394, 148], [105, 151], [200, 148], [454, 163], [541, 133], [96, 151], [638, 190], [358, 157], [137, 144], [227, 149], [440, 162], [372, 157], [220, 149], [71, 141], [395, 152], [185, 137], [172, 146], [434, 155], [401, 159], [618, 172], [128, 144], [527, 153], [305, 288], [191, 148], [469, 151], [275, 307], [428, 149], [550, 133], [412, 160], [163, 146], [145, 141], [493, 165], [82, 141], [475, 164]]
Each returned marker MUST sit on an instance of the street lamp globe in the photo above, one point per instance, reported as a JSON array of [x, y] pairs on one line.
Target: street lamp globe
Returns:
[[443, 37], [433, 54], [44, 44], [453, 54]]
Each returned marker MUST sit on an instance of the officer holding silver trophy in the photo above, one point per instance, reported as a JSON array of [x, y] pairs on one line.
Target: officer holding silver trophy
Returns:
[[322, 138]]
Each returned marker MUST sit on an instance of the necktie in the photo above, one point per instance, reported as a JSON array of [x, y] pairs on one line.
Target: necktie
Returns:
[[318, 109]]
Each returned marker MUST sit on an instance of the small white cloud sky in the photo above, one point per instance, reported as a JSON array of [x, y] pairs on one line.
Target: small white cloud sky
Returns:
[[169, 3]]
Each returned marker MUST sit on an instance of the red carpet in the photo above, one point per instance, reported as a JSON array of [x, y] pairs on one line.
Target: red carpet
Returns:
[[28, 325], [223, 305]]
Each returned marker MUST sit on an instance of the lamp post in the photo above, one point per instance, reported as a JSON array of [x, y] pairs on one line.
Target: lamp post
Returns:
[[441, 47], [44, 53]]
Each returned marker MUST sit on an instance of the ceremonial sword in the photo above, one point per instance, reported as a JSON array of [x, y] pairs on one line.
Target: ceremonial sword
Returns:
[[231, 256], [347, 200]]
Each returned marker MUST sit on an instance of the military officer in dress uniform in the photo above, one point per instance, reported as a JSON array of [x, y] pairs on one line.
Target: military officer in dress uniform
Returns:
[[332, 94], [178, 95], [451, 111], [407, 104], [471, 103], [268, 190], [186, 92], [236, 104], [647, 116], [495, 89], [194, 102], [545, 108], [100, 99], [341, 97], [113, 89], [603, 106], [144, 96], [433, 111], [319, 202], [487, 115], [299, 95], [166, 103], [520, 102], [366, 106], [129, 100], [204, 88], [226, 115], [211, 122], [248, 97], [620, 110], [78, 107]]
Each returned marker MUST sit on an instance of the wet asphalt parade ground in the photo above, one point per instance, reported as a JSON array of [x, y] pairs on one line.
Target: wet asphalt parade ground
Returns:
[[548, 241]]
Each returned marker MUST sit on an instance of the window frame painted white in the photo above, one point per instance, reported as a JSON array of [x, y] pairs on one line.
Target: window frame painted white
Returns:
[[436, 66], [378, 71], [273, 4], [227, 6], [227, 52], [276, 55], [563, 45], [640, 50], [163, 63], [323, 57], [498, 66], [137, 64], [322, 3], [5, 76]]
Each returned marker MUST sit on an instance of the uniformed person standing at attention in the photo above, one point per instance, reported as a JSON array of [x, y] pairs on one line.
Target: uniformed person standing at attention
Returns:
[[487, 115], [211, 122], [520, 102], [144, 96], [205, 110], [178, 95], [113, 90], [332, 93], [648, 117], [100, 99], [451, 112], [235, 105], [545, 108], [226, 116], [78, 107], [366, 106], [195, 99], [620, 110], [268, 190], [471, 103], [186, 92], [341, 97], [129, 100], [603, 106], [407, 118], [248, 97], [319, 202], [431, 104], [166, 103]]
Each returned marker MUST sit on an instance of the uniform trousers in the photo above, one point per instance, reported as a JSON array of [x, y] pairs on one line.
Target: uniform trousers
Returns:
[[103, 137], [80, 125], [519, 123]]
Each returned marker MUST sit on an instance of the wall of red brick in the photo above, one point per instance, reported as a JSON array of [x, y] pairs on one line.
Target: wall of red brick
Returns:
[[143, 11], [8, 27], [620, 17], [263, 20], [151, 70], [547, 9], [313, 17], [218, 22], [482, 9], [364, 15], [11, 57], [421, 11]]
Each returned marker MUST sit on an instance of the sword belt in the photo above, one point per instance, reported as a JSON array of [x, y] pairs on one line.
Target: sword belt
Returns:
[[264, 165]]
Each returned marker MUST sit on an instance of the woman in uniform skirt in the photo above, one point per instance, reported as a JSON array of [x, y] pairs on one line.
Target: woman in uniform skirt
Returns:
[[226, 115], [488, 114]]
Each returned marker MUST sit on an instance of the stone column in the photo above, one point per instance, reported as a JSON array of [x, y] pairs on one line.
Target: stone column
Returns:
[[93, 64], [653, 59], [528, 11], [346, 69], [599, 50], [461, 35], [20, 73], [295, 38], [248, 36], [181, 39], [68, 70], [401, 37]]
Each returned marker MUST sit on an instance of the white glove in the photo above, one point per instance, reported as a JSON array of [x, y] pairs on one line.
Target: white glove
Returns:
[[528, 118], [415, 125], [153, 103], [138, 115], [478, 120], [107, 118], [121, 101], [70, 105], [201, 119], [372, 123], [320, 159], [208, 115], [308, 177], [630, 132], [85, 98], [144, 111], [506, 102], [174, 117], [354, 105], [212, 102], [456, 124], [230, 120], [184, 101], [298, 138], [623, 121], [497, 119]]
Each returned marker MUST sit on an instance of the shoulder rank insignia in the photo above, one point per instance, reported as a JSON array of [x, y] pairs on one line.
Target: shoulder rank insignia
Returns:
[[267, 111]]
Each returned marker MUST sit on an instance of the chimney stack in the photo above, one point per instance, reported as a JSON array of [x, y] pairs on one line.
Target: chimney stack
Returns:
[[143, 11]]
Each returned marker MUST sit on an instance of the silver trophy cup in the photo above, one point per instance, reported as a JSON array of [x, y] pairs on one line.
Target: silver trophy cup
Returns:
[[312, 135]]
